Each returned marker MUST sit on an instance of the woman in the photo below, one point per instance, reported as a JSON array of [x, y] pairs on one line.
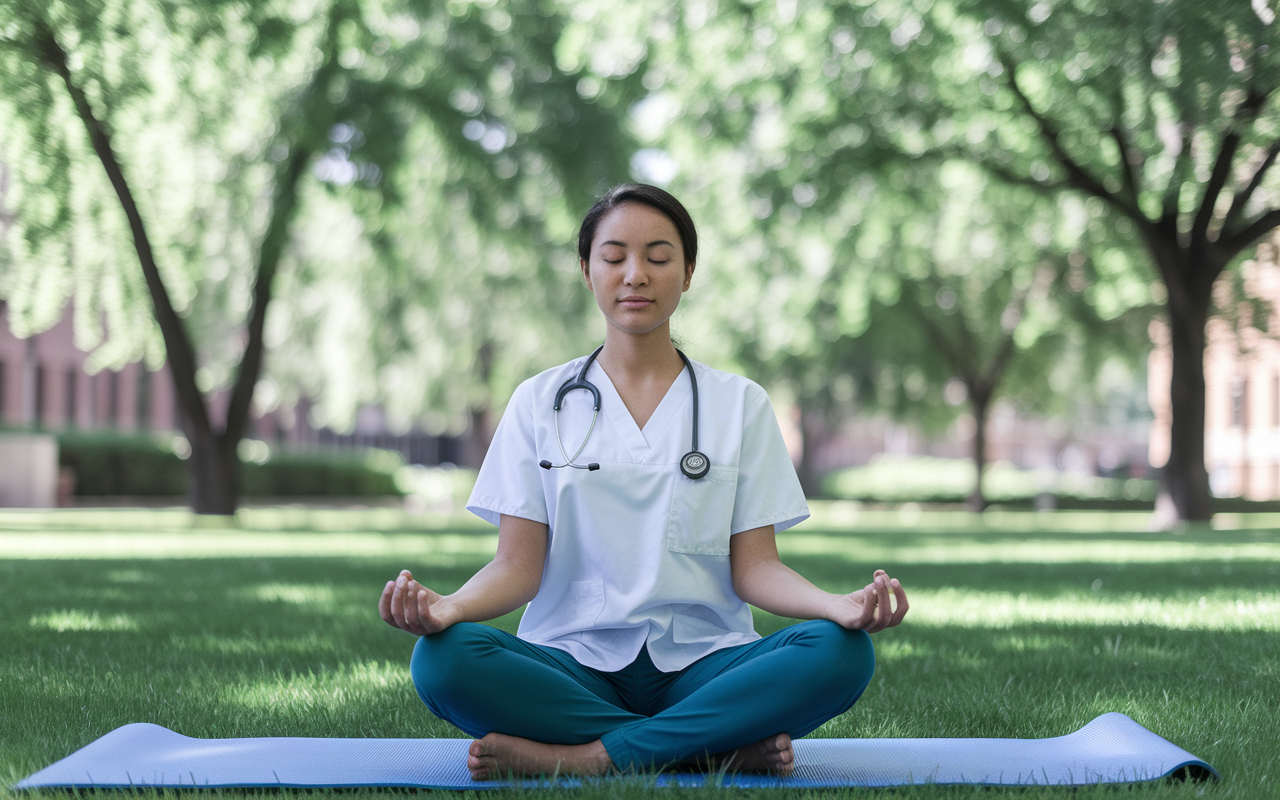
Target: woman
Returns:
[[637, 560]]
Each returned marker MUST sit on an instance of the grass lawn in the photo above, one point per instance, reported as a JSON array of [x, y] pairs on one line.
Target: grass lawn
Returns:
[[1021, 626]]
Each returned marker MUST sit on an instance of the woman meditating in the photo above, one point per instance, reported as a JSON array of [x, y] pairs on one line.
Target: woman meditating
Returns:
[[637, 494]]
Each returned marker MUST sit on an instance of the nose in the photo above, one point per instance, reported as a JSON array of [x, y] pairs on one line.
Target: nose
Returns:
[[636, 274]]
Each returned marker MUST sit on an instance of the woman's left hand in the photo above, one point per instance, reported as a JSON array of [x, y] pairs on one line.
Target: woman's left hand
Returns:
[[870, 608]]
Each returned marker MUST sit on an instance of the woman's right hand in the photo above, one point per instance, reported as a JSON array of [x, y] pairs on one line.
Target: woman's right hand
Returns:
[[412, 607], [870, 608]]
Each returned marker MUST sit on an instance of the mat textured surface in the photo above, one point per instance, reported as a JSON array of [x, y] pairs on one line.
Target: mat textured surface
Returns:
[[1110, 749]]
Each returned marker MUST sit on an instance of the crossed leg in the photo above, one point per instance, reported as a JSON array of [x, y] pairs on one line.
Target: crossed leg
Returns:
[[572, 720]]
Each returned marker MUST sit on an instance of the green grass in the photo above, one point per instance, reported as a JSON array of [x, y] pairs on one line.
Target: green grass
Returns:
[[1022, 625]]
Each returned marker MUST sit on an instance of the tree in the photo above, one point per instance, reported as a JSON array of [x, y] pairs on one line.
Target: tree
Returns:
[[980, 297], [1165, 114], [210, 120], [839, 236], [1160, 114]]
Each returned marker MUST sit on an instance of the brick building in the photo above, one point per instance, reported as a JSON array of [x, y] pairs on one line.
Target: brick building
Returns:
[[44, 384]]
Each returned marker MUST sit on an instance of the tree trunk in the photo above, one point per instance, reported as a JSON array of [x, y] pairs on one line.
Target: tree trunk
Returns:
[[979, 401], [479, 431], [810, 426], [213, 472], [1184, 478], [479, 434]]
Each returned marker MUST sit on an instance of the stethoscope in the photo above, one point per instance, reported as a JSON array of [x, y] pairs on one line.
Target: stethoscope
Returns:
[[694, 464]]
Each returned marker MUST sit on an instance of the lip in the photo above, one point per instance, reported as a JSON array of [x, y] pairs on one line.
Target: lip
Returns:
[[635, 301]]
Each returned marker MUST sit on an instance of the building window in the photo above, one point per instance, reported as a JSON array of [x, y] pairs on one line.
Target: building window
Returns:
[[113, 398], [72, 381], [94, 417], [1239, 402], [40, 396], [1275, 400], [143, 409]]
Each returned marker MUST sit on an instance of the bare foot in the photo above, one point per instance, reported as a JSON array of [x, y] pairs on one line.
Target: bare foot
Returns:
[[771, 754], [498, 755]]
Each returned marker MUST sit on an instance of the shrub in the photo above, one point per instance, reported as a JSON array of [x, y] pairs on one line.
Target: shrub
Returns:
[[109, 463], [922, 479]]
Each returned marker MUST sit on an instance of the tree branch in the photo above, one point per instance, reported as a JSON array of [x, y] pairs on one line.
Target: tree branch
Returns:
[[1009, 176], [1128, 170], [181, 355], [283, 205], [1252, 104], [1217, 179], [995, 373], [945, 343], [1244, 195], [1173, 192], [1229, 247], [1077, 175]]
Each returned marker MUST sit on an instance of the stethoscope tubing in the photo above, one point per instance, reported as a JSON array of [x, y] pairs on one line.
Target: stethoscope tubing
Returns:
[[693, 464], [569, 462]]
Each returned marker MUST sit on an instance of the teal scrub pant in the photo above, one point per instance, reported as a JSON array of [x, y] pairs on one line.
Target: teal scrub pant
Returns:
[[484, 680]]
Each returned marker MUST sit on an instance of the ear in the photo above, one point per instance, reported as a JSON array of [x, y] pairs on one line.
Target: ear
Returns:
[[586, 274], [688, 275]]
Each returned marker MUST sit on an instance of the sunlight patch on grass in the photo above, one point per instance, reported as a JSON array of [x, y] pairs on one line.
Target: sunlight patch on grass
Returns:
[[444, 549], [893, 649], [302, 594], [76, 620], [332, 690], [1020, 643], [128, 576], [949, 550], [852, 515], [300, 517], [1215, 611], [307, 644]]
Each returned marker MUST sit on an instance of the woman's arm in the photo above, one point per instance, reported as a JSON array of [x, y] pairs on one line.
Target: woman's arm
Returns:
[[761, 579], [501, 586]]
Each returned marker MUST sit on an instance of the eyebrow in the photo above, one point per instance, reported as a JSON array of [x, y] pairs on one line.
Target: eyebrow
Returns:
[[650, 244]]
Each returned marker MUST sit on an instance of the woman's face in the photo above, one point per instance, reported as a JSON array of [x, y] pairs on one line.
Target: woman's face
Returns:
[[637, 269]]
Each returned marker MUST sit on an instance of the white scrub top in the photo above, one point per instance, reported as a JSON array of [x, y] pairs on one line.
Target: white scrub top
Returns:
[[638, 553]]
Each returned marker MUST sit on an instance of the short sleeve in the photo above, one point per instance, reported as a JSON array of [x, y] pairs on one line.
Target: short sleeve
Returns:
[[769, 490], [509, 481]]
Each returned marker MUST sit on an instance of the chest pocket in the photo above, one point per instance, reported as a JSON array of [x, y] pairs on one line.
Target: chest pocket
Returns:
[[701, 513]]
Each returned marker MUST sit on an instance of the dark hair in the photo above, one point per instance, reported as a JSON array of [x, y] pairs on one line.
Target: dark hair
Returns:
[[645, 195]]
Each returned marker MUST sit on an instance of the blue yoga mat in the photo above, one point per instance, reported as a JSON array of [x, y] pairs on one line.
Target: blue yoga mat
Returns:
[[1110, 749]]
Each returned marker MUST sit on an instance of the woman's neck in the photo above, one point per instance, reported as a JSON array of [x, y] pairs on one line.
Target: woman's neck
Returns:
[[631, 356], [641, 367]]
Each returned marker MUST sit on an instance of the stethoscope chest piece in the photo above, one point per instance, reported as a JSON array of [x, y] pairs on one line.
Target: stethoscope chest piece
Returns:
[[695, 465]]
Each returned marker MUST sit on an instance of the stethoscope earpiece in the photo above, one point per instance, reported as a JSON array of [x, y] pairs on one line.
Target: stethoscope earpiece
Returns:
[[694, 465]]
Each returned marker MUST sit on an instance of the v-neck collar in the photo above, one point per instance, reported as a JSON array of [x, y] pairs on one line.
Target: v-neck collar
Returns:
[[641, 442]]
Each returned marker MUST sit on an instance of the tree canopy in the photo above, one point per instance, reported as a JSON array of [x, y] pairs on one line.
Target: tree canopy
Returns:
[[400, 182], [208, 126]]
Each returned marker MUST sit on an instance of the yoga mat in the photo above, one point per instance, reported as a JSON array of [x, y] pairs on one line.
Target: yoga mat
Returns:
[[1110, 749]]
